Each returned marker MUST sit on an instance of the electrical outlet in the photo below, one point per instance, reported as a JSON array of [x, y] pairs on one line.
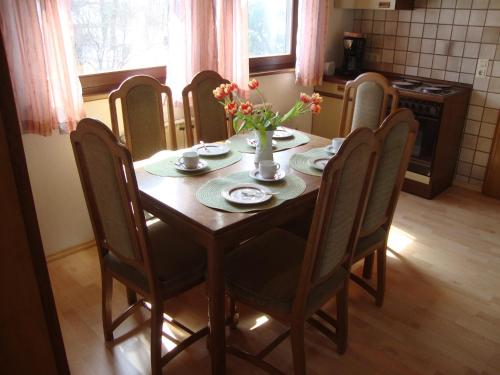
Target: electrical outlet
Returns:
[[373, 57], [482, 67]]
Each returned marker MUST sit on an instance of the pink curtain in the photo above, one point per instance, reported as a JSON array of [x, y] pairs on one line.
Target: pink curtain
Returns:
[[38, 39], [192, 44], [311, 39], [207, 35], [232, 40]]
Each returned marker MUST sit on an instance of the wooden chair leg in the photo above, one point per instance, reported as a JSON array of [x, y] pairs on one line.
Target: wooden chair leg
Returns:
[[131, 297], [299, 356], [368, 266], [234, 316], [156, 335], [342, 319], [107, 297], [381, 268]]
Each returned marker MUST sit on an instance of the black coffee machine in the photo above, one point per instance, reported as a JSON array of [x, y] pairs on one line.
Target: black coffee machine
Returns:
[[354, 49]]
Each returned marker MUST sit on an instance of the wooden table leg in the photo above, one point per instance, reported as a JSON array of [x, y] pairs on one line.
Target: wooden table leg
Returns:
[[216, 310]]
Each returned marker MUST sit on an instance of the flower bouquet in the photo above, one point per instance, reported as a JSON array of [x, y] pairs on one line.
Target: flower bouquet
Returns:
[[259, 117]]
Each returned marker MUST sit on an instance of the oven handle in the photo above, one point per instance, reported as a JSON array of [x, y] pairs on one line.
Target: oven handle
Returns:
[[427, 118]]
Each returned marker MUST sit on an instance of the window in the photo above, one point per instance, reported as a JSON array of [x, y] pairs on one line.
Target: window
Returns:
[[115, 39], [119, 34], [271, 34]]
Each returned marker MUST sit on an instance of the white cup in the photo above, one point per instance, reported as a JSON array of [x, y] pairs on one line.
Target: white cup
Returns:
[[336, 143], [268, 168], [190, 159]]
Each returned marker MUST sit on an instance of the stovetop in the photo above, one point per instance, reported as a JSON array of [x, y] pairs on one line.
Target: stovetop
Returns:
[[424, 87]]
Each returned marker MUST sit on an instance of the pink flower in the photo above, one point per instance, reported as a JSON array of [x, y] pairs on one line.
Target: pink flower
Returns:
[[316, 98], [253, 84], [246, 108], [315, 108], [234, 86], [304, 98], [231, 108]]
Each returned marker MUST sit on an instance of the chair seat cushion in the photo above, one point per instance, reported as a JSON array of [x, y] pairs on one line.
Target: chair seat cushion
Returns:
[[179, 263], [369, 243], [265, 271]]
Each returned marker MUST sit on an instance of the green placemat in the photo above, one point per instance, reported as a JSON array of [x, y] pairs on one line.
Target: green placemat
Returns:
[[300, 161], [210, 193], [239, 142], [166, 167]]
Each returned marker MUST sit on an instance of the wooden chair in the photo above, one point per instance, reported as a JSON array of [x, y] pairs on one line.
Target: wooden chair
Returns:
[[142, 112], [210, 121], [365, 102], [153, 260], [396, 136], [290, 278]]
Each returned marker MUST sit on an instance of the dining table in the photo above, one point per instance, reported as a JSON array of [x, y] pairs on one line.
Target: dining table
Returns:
[[172, 199]]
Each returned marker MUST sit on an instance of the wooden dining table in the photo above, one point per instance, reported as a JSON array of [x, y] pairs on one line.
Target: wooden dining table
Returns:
[[172, 199]]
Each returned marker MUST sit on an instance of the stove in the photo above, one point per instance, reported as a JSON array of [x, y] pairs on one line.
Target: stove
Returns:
[[424, 87]]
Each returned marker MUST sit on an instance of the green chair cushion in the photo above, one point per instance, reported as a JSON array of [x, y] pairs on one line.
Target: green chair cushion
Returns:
[[179, 263], [368, 243], [265, 272]]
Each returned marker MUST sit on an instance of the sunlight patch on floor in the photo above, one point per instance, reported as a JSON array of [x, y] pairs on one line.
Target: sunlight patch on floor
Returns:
[[259, 322], [399, 240]]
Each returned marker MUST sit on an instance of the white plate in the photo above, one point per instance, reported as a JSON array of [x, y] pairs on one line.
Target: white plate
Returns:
[[277, 177], [247, 194], [282, 133], [330, 150], [211, 149], [318, 163], [202, 164], [252, 142]]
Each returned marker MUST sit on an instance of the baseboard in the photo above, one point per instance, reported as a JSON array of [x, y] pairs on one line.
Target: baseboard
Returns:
[[69, 251]]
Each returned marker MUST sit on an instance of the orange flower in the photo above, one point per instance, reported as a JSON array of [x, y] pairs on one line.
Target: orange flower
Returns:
[[304, 98], [246, 108], [316, 98], [219, 93], [231, 108], [315, 108], [253, 84]]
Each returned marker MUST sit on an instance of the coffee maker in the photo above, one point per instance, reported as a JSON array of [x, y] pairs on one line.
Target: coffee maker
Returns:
[[354, 49]]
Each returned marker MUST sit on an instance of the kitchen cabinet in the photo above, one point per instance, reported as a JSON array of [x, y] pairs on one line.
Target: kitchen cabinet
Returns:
[[327, 122], [374, 4]]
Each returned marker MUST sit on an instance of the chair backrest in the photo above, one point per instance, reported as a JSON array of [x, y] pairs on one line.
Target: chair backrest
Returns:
[[369, 94], [338, 212], [396, 136], [110, 189], [142, 112], [210, 121]]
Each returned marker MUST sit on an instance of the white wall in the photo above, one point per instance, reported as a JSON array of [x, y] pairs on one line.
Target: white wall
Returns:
[[60, 205]]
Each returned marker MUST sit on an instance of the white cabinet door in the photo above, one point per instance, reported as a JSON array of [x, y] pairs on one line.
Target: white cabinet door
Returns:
[[327, 122]]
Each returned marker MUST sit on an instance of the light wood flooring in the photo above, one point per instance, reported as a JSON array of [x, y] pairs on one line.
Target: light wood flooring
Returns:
[[441, 314]]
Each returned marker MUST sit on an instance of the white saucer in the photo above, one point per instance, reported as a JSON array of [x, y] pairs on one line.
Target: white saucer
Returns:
[[247, 194], [318, 163], [252, 142], [202, 164], [282, 133], [211, 149], [330, 149], [277, 177]]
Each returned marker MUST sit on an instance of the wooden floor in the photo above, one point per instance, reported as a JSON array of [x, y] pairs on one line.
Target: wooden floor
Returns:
[[441, 314]]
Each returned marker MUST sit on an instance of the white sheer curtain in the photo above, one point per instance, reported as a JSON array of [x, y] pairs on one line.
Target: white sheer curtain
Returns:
[[207, 35], [38, 38], [311, 38], [232, 40]]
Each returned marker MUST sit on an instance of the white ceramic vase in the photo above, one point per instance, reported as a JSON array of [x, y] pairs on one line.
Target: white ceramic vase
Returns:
[[264, 149]]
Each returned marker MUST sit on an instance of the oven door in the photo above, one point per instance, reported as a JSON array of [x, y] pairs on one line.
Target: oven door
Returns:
[[425, 145]]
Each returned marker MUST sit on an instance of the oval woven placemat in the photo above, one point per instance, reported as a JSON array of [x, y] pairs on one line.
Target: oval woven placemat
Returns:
[[166, 167], [300, 161], [210, 194], [239, 142]]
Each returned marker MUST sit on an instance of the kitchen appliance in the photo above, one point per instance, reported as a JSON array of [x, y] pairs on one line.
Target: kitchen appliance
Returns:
[[354, 49]]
